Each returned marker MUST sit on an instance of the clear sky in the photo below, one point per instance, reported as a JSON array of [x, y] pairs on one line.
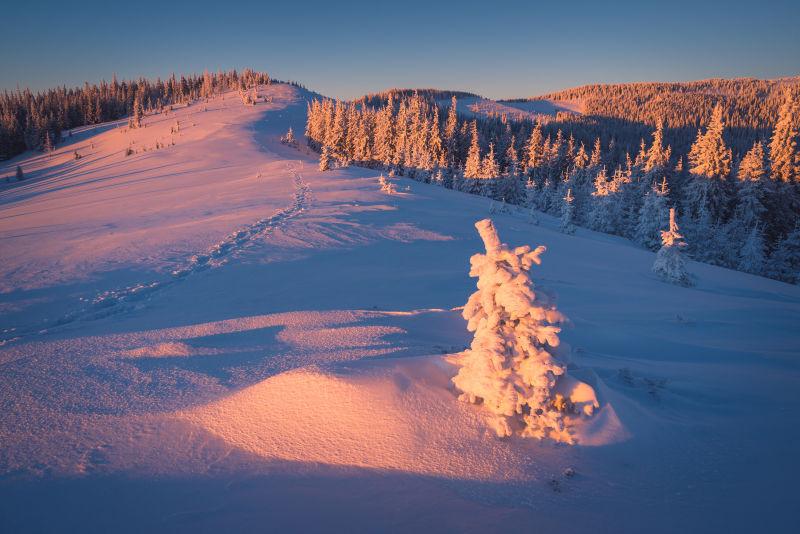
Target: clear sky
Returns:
[[345, 49]]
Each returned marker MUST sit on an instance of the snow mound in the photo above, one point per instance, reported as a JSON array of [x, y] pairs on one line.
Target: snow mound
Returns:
[[395, 416], [398, 415]]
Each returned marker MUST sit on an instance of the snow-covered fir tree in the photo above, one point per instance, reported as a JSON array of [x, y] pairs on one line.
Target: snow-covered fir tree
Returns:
[[653, 216], [289, 138], [783, 150], [489, 167], [751, 192], [138, 112], [751, 253], [601, 210], [472, 167], [785, 260], [513, 364], [47, 145], [325, 159], [710, 160], [567, 224], [670, 265]]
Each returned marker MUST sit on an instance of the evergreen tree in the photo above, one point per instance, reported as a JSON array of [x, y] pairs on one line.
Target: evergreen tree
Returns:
[[19, 174], [658, 156], [710, 161], [785, 260], [325, 158], [669, 264], [535, 150], [472, 167], [289, 138], [47, 145], [567, 225], [783, 150], [600, 213], [512, 366], [384, 131], [138, 111], [653, 216], [451, 133], [750, 192], [489, 167], [751, 254], [596, 159], [510, 187]]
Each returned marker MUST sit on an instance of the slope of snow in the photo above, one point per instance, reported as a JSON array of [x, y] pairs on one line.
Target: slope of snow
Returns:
[[214, 335]]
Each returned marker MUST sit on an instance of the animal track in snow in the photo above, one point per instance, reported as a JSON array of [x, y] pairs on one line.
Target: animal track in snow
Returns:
[[115, 301]]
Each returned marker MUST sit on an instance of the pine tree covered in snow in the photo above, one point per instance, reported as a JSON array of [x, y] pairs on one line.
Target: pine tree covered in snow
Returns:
[[289, 138], [669, 264], [785, 260], [653, 216], [567, 225], [783, 152], [751, 254], [601, 214], [325, 159], [489, 167], [710, 160], [138, 112], [472, 167], [47, 146], [512, 366]]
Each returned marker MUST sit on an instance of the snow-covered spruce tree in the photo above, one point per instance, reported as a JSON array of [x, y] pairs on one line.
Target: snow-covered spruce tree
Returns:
[[289, 138], [325, 158], [567, 225], [512, 366], [669, 264], [783, 151], [47, 144], [710, 166], [138, 111], [653, 216], [785, 260], [600, 215], [472, 167], [751, 253]]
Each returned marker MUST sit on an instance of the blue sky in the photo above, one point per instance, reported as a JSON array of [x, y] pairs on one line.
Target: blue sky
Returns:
[[498, 49]]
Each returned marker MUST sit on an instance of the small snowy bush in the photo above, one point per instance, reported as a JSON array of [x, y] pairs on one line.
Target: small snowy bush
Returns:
[[386, 185], [512, 366]]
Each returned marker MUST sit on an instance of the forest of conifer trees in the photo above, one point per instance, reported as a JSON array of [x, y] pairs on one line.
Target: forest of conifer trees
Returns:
[[724, 153], [739, 205], [30, 121]]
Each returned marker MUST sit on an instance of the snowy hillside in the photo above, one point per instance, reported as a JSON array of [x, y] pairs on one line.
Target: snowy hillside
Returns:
[[210, 334]]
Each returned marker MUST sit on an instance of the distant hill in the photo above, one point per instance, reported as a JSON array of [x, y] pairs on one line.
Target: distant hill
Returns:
[[750, 103]]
